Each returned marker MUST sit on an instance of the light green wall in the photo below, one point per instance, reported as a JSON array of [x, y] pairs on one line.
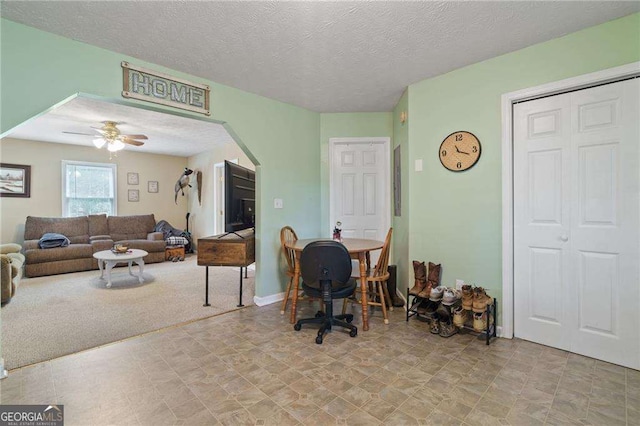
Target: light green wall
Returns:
[[346, 125], [456, 217], [40, 69], [401, 235]]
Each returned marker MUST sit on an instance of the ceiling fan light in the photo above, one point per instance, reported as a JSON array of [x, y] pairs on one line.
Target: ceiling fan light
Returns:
[[99, 142], [115, 146]]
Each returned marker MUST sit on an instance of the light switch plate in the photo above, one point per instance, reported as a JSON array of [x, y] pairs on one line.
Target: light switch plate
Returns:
[[418, 165], [277, 203]]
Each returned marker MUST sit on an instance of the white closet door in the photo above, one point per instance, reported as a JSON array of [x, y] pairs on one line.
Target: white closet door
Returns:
[[577, 214], [542, 129]]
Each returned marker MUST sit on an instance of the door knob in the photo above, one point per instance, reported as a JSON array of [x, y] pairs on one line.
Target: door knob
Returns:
[[564, 238]]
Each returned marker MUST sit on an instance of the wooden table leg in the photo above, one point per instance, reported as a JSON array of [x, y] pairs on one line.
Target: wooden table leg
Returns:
[[294, 298], [363, 290]]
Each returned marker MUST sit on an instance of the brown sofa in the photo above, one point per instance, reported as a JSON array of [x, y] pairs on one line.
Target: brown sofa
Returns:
[[87, 235]]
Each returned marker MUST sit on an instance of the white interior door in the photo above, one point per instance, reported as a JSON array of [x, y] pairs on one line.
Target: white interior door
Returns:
[[576, 222], [360, 189]]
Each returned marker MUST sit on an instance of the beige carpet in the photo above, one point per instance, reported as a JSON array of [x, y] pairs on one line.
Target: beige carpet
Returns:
[[62, 314]]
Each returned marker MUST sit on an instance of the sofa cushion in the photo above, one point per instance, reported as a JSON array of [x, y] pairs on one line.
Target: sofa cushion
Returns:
[[98, 224], [74, 228], [100, 245], [146, 245], [30, 245], [74, 251], [130, 227], [78, 239]]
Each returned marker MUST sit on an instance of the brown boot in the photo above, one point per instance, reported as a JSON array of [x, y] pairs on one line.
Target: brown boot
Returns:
[[480, 300], [420, 275], [467, 297], [433, 280]]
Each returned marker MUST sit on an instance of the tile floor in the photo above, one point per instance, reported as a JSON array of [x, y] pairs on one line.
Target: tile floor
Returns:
[[250, 367]]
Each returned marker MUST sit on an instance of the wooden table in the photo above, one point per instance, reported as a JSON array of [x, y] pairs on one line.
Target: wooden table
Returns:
[[358, 249]]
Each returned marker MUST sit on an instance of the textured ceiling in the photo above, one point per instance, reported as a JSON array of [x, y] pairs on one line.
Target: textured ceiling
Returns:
[[324, 56], [168, 134]]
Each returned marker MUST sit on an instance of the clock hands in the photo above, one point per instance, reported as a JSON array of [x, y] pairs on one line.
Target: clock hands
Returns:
[[461, 152]]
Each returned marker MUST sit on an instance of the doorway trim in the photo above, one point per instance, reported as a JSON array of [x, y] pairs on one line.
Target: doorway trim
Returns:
[[508, 99], [386, 142]]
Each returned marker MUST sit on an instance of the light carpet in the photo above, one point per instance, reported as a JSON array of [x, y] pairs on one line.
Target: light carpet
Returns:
[[62, 314]]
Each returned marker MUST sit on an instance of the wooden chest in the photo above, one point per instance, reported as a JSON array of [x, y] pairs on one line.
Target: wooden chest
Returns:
[[173, 251], [227, 250]]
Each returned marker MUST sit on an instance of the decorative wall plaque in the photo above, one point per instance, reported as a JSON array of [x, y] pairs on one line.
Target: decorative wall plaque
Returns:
[[153, 86]]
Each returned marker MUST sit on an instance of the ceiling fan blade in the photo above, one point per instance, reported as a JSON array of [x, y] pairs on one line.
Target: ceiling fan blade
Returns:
[[76, 133], [143, 137], [129, 141], [98, 129]]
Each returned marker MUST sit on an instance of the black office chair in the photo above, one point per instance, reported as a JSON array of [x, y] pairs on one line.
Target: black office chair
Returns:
[[325, 267]]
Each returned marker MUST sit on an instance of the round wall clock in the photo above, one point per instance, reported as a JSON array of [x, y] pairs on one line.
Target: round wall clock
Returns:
[[460, 151]]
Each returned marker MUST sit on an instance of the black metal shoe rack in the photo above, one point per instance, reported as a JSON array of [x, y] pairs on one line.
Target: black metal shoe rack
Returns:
[[488, 333]]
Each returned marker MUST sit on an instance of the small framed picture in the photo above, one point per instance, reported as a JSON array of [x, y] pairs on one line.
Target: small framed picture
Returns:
[[133, 195], [15, 180], [152, 186], [132, 178]]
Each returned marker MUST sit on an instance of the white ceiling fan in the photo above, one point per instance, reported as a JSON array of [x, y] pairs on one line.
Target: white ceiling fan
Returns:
[[110, 135]]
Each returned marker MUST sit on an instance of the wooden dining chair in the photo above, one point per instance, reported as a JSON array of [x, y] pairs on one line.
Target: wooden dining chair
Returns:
[[288, 236], [377, 281]]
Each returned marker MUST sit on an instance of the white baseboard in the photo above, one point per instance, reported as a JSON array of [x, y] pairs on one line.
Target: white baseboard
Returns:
[[268, 300], [401, 296], [3, 372]]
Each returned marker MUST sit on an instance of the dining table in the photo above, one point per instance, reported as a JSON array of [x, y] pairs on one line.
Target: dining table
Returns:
[[358, 248]]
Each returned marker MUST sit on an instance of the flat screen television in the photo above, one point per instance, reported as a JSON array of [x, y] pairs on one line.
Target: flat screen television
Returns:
[[239, 197]]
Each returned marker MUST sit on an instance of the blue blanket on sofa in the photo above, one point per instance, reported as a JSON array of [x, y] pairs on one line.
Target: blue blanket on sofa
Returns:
[[51, 240]]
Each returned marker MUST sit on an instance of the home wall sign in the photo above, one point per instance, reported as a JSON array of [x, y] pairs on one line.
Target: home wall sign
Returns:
[[153, 86]]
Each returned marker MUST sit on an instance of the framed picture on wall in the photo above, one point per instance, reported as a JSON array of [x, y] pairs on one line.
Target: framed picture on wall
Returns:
[[15, 180], [132, 178], [152, 186], [133, 195]]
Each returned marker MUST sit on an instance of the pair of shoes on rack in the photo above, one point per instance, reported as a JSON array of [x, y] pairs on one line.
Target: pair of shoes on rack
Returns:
[[475, 299], [448, 296], [442, 322], [460, 316], [424, 283], [480, 300], [176, 258], [480, 321], [443, 328]]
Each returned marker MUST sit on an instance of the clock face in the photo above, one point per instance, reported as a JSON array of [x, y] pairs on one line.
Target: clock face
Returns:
[[459, 151]]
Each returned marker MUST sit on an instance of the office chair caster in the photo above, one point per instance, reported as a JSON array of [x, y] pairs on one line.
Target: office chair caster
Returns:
[[353, 333], [319, 340], [349, 318], [297, 327]]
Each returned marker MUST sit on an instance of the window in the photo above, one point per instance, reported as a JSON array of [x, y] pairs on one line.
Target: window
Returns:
[[88, 188]]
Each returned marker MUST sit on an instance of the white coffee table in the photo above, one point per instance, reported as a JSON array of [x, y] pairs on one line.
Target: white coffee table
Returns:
[[108, 259]]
